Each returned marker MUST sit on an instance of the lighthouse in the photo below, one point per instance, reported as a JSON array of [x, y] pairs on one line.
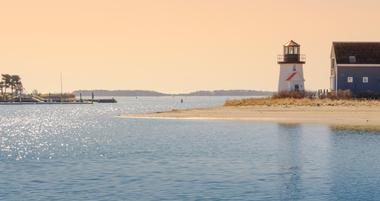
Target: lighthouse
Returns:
[[291, 68]]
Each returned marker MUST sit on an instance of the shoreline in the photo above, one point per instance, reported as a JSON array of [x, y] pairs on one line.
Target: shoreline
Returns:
[[349, 117]]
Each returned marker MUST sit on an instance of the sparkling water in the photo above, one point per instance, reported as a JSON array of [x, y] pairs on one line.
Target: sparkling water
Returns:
[[87, 152]]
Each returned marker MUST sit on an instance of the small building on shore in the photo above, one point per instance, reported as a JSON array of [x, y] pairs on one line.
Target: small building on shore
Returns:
[[291, 68], [355, 66]]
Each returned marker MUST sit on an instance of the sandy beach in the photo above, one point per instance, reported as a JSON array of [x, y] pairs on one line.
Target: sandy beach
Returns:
[[360, 117]]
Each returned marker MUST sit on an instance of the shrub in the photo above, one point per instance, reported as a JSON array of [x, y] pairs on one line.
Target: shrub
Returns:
[[340, 94], [294, 94]]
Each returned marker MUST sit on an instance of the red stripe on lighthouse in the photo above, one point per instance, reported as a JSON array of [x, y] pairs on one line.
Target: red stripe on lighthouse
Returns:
[[291, 76]]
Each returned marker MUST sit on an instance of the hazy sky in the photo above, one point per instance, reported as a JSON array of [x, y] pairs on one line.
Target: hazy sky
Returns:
[[174, 45]]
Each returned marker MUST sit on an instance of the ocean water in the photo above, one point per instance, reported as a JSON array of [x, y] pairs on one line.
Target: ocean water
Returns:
[[87, 152]]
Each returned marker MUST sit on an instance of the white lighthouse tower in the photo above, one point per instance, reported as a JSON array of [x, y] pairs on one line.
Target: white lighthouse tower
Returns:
[[291, 68]]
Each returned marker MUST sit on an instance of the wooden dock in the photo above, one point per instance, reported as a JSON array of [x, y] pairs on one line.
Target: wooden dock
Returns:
[[45, 103]]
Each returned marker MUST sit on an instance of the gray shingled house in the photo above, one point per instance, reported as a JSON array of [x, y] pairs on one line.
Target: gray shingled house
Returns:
[[355, 66]]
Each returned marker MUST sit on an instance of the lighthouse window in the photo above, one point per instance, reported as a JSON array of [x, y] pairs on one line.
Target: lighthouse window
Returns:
[[290, 50], [296, 50], [350, 79]]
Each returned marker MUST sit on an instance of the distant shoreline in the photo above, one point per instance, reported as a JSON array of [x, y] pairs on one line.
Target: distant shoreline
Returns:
[[351, 117], [134, 93]]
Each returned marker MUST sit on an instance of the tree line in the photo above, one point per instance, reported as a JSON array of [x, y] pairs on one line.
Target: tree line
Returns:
[[12, 82]]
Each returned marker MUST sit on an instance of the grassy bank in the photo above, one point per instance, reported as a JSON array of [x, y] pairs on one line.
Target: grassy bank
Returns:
[[300, 102]]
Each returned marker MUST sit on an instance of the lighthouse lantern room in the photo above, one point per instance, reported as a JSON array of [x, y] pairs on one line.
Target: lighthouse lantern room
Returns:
[[291, 68]]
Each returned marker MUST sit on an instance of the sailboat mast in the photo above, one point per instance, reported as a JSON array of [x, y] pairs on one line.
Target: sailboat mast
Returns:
[[61, 89]]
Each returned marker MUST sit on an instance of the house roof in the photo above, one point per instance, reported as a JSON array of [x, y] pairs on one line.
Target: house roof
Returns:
[[360, 52], [291, 76], [291, 43]]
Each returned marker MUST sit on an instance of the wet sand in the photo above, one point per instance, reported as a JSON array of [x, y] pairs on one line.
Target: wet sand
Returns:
[[355, 117]]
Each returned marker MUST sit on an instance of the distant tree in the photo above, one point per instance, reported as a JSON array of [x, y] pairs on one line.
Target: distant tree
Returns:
[[19, 88], [2, 86], [7, 81], [16, 84], [35, 92], [10, 81]]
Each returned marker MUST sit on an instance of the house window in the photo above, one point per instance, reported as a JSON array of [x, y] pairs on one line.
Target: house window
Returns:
[[352, 59], [365, 79], [350, 79]]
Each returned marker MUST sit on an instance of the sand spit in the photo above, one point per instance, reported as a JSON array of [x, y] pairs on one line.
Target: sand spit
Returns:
[[360, 117]]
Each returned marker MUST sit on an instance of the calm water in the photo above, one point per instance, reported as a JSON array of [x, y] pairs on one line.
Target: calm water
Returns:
[[87, 153]]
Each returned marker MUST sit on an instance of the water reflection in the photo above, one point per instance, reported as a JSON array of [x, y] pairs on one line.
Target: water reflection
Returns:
[[290, 157], [302, 161], [354, 165]]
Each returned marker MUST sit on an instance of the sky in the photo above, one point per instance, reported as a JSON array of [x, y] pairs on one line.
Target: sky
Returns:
[[174, 45]]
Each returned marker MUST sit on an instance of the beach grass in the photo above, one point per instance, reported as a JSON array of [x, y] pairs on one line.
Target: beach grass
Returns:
[[270, 101]]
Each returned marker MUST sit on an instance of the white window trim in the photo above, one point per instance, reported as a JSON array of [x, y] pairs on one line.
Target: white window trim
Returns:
[[352, 59]]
